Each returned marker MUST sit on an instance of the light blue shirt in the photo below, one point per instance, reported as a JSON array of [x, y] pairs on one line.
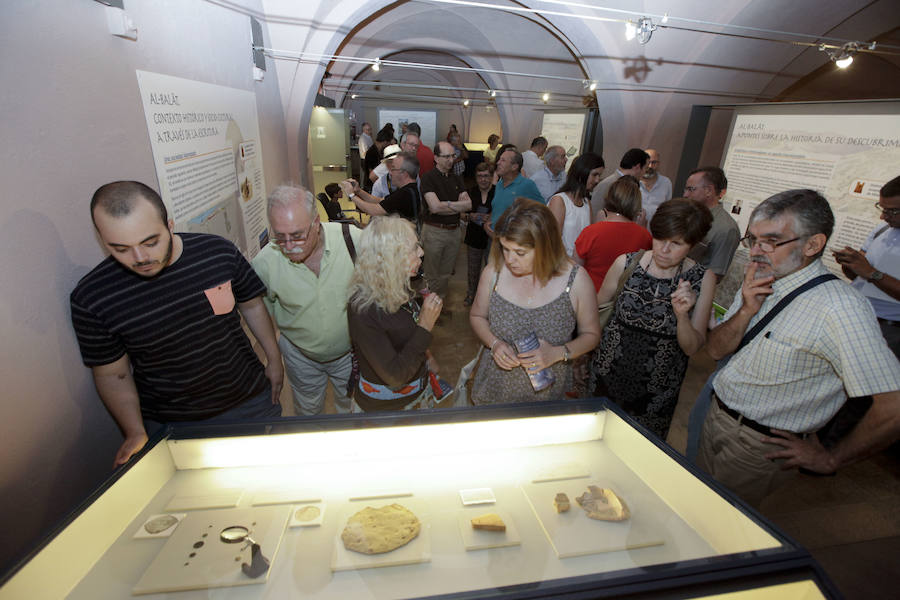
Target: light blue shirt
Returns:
[[547, 182], [883, 253], [651, 199]]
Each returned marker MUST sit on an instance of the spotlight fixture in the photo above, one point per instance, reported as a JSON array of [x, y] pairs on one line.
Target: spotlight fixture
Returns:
[[466, 102], [493, 93], [630, 30], [589, 85], [376, 66], [354, 96], [593, 86], [845, 61], [645, 29], [545, 98], [843, 56]]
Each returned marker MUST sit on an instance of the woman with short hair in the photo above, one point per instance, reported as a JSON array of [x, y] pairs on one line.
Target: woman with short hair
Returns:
[[530, 287], [659, 318], [389, 331]]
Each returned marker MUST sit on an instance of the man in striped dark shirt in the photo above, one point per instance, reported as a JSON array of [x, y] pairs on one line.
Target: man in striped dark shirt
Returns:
[[157, 321]]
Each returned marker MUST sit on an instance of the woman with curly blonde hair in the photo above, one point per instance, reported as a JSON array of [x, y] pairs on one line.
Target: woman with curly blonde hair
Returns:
[[389, 331]]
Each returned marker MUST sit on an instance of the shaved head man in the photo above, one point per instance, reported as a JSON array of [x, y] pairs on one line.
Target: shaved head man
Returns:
[[655, 188]]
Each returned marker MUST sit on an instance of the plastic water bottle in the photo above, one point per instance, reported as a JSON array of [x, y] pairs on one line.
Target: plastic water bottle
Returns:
[[542, 379]]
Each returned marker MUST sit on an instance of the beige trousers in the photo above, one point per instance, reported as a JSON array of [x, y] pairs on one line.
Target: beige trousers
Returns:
[[734, 455]]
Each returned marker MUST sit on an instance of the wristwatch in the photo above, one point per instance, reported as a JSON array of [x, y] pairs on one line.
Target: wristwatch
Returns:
[[876, 276]]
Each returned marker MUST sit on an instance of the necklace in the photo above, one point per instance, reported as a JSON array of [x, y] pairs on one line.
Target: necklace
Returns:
[[659, 280], [412, 308]]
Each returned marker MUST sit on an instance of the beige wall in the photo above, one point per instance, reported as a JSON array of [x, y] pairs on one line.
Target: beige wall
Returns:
[[72, 120]]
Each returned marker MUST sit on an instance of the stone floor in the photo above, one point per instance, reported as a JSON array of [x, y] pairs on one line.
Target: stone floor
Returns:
[[849, 522]]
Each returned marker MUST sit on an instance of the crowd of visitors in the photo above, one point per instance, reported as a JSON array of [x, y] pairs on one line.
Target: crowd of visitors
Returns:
[[550, 251]]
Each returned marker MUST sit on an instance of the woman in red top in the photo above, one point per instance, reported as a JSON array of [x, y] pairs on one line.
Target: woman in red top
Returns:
[[601, 243]]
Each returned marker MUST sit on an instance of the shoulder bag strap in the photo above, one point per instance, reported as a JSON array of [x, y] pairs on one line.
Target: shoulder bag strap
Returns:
[[761, 324], [879, 232], [351, 248], [628, 272]]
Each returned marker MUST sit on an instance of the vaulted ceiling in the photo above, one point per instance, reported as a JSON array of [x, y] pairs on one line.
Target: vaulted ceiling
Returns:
[[445, 51]]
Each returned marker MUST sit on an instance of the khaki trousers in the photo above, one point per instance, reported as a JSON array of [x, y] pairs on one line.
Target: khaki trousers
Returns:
[[734, 455]]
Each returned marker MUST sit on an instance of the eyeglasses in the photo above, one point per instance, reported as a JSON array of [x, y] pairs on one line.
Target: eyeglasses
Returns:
[[891, 212], [281, 240], [749, 241]]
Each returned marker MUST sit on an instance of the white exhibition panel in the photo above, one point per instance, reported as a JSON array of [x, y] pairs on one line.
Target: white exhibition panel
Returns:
[[208, 158], [845, 151], [427, 120]]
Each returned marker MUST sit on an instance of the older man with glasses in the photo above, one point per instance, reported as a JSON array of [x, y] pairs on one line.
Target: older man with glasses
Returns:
[[306, 269], [404, 201], [789, 375]]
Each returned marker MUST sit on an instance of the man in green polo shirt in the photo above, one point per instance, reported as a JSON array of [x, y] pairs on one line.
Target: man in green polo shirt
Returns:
[[306, 268]]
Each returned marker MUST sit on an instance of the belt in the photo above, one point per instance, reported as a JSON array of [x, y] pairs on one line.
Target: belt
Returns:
[[443, 225], [741, 419]]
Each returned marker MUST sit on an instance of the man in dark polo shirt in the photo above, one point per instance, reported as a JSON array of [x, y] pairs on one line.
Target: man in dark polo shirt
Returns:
[[404, 201], [445, 198], [157, 322]]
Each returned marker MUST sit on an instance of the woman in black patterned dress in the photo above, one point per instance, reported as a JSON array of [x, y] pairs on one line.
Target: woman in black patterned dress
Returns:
[[660, 318]]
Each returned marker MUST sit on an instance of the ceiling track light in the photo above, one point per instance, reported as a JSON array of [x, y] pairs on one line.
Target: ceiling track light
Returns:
[[376, 66], [466, 102], [645, 29], [493, 93], [589, 85], [842, 56], [545, 97]]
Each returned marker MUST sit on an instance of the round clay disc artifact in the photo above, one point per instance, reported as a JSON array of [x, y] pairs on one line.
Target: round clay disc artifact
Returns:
[[160, 523], [307, 513], [379, 530]]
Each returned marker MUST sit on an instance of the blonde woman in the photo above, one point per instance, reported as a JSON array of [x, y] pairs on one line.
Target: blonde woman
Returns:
[[389, 331]]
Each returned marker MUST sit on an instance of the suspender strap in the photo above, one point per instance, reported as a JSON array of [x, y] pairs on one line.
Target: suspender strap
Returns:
[[761, 324]]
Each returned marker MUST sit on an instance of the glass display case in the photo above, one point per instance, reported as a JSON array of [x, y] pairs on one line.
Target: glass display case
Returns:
[[462, 503]]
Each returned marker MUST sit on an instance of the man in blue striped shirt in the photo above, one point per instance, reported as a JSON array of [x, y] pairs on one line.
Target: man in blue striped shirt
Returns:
[[157, 322]]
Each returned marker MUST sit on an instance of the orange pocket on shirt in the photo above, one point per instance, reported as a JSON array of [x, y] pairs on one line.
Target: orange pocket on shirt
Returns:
[[220, 298]]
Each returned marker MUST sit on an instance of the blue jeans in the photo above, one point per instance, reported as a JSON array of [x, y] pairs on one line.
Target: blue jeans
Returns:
[[258, 407]]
